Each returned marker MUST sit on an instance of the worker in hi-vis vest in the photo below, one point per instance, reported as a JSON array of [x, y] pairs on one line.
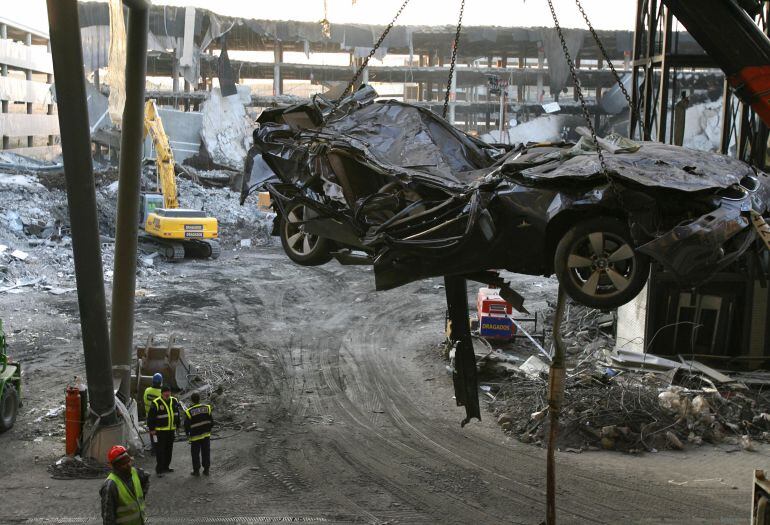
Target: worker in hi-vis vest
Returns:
[[151, 392], [197, 426], [163, 420], [124, 490]]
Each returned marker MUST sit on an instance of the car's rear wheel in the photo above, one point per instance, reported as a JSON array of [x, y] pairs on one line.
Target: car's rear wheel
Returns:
[[597, 265], [302, 247]]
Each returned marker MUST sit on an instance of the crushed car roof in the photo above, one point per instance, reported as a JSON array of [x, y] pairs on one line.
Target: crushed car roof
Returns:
[[652, 164]]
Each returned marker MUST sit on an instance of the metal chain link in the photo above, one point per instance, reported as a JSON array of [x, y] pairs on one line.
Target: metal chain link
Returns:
[[454, 59], [583, 105], [612, 67], [371, 53]]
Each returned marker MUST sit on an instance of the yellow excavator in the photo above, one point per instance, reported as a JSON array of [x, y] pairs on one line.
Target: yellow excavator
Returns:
[[172, 231]]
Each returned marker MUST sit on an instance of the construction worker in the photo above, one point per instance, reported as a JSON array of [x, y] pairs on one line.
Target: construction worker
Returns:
[[124, 490], [151, 392], [162, 421], [197, 426]]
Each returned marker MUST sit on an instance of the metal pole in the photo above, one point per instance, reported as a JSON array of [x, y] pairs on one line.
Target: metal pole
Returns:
[[453, 98], [502, 117], [127, 227], [67, 54], [464, 377], [555, 399]]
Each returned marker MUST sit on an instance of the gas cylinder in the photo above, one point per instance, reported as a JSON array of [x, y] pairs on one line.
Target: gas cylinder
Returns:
[[72, 420]]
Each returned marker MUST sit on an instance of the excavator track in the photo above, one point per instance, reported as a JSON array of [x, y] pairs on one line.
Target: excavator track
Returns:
[[216, 249], [170, 250], [203, 249]]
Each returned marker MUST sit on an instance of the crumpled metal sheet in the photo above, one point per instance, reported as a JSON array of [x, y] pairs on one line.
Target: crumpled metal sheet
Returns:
[[653, 165], [402, 135]]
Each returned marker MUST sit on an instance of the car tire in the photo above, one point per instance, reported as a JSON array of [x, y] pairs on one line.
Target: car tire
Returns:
[[9, 407], [596, 263], [302, 248]]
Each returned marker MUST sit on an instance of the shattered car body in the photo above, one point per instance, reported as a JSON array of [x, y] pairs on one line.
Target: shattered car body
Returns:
[[393, 185]]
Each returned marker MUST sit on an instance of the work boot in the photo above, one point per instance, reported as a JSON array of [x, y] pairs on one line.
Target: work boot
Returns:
[[195, 473], [205, 472], [159, 474], [169, 469]]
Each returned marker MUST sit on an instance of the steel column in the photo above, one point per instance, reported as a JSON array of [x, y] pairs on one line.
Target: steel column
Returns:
[[67, 54], [127, 227], [665, 70], [464, 376], [633, 111], [555, 399]]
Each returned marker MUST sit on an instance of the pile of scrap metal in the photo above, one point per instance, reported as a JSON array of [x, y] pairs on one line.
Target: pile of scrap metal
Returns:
[[393, 185], [634, 402]]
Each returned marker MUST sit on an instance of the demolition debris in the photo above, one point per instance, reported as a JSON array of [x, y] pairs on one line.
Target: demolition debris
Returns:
[[632, 402]]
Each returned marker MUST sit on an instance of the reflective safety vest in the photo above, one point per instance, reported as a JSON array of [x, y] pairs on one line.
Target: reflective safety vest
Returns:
[[130, 509], [199, 422], [164, 415], [150, 393]]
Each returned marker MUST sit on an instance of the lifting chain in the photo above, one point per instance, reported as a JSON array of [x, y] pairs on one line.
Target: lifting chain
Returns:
[[371, 54], [454, 59], [606, 56], [583, 106]]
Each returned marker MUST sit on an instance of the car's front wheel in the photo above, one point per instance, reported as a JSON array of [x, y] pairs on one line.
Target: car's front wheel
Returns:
[[596, 263], [302, 247]]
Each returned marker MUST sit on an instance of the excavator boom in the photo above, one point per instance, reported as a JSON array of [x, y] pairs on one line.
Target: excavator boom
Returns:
[[163, 154]]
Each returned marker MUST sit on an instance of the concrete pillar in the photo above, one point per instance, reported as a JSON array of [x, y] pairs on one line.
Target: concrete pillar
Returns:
[[520, 84], [4, 72], [429, 84], [599, 65], [211, 79], [175, 74], [540, 65], [278, 60], [49, 109], [28, 73], [186, 98], [452, 99]]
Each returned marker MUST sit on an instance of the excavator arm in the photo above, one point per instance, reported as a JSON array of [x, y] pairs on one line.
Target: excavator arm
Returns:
[[164, 157], [737, 45]]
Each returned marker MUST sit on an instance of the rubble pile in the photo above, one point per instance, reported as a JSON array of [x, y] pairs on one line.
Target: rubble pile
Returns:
[[633, 412], [236, 222], [35, 242], [614, 401]]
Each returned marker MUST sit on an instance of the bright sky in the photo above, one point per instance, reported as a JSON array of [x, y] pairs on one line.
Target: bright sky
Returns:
[[604, 14]]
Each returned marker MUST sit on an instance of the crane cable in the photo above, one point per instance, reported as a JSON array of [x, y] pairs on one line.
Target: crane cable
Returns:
[[454, 59], [615, 74], [365, 62], [583, 105]]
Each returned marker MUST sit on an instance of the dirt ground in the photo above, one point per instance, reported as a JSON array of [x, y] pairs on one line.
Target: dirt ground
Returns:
[[337, 408]]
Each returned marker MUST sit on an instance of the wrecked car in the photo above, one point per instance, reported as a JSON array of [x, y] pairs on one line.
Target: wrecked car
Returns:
[[394, 185]]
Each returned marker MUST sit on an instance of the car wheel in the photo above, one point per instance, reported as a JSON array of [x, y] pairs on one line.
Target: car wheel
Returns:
[[597, 265], [9, 407], [302, 248]]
